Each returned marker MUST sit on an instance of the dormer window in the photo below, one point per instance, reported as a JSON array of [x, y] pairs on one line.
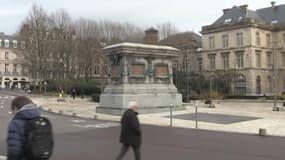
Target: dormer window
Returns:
[[15, 44], [6, 43], [228, 20]]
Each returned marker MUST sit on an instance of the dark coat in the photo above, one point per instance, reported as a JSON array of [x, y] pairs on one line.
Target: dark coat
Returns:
[[16, 135], [130, 129]]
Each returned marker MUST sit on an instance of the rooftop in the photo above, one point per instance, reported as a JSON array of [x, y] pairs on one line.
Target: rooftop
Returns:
[[269, 16]]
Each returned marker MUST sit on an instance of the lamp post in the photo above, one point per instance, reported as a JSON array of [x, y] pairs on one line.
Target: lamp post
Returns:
[[274, 78], [45, 87], [210, 105]]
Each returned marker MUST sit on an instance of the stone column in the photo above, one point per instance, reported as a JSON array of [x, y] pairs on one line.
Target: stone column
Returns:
[[125, 70], [170, 72], [149, 70], [3, 82], [109, 72], [152, 71]]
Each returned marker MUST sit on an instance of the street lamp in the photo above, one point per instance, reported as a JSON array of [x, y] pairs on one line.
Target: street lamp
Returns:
[[211, 89], [274, 76], [45, 86]]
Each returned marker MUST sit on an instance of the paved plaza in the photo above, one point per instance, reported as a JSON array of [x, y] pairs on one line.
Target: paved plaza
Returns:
[[231, 116], [88, 139]]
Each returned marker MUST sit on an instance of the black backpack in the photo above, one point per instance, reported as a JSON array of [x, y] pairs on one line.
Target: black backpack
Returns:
[[39, 139]]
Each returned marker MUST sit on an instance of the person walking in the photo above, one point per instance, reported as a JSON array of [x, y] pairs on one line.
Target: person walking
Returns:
[[29, 135], [130, 132], [73, 93]]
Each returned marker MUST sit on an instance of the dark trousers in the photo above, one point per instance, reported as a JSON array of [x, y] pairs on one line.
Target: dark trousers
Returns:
[[125, 148]]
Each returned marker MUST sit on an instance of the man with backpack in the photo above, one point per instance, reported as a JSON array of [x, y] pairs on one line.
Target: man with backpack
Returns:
[[29, 135]]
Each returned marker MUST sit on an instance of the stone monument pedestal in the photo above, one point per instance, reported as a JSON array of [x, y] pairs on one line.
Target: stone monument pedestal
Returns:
[[142, 73]]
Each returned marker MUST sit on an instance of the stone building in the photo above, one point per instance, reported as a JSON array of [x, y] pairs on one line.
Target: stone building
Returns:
[[12, 70], [250, 46], [189, 44]]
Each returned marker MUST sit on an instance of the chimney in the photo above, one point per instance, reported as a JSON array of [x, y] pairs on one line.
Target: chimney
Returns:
[[273, 4], [225, 11], [151, 36], [243, 8]]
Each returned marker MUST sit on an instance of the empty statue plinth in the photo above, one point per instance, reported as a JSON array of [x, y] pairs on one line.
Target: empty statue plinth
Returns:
[[142, 73]]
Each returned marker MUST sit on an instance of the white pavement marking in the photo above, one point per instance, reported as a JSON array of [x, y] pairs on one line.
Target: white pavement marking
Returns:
[[47, 116], [9, 112], [3, 157], [1, 107], [78, 121], [103, 125]]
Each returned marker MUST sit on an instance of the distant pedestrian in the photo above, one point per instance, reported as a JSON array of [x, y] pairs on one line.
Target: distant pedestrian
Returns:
[[29, 135], [82, 93], [73, 93], [130, 132]]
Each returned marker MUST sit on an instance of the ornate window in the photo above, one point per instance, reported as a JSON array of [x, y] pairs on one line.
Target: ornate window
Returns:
[[269, 59], [212, 61], [257, 39], [6, 43], [15, 44], [268, 40], [258, 85], [239, 39], [258, 59], [225, 57], [239, 60], [225, 41], [212, 42], [240, 85]]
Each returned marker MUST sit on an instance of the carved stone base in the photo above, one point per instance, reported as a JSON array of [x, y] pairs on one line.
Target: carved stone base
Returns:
[[148, 102]]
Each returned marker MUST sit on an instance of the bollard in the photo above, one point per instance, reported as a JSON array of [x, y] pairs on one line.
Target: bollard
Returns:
[[95, 117], [262, 132], [49, 110], [74, 114], [60, 112], [196, 114], [171, 115]]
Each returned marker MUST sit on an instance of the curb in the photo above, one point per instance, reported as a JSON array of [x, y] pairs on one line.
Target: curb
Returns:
[[11, 93], [74, 114]]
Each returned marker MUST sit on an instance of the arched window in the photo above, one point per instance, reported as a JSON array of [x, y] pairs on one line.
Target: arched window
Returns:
[[240, 84], [6, 43], [258, 85]]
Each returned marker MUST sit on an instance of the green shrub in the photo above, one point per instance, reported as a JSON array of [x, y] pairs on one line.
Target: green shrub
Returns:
[[216, 95], [194, 96], [96, 97], [282, 97], [81, 86], [208, 101]]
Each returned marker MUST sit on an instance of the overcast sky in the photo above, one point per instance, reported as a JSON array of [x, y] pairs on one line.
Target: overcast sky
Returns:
[[187, 15]]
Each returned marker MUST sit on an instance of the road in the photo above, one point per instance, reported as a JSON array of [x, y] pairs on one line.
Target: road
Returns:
[[78, 139]]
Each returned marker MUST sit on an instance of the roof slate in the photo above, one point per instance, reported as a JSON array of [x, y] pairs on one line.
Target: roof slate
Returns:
[[268, 15]]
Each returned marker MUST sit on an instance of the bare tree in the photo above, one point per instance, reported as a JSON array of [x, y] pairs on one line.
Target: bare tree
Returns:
[[166, 29], [34, 31]]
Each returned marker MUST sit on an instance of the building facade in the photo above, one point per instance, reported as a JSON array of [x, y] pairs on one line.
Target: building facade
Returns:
[[247, 47], [12, 70]]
